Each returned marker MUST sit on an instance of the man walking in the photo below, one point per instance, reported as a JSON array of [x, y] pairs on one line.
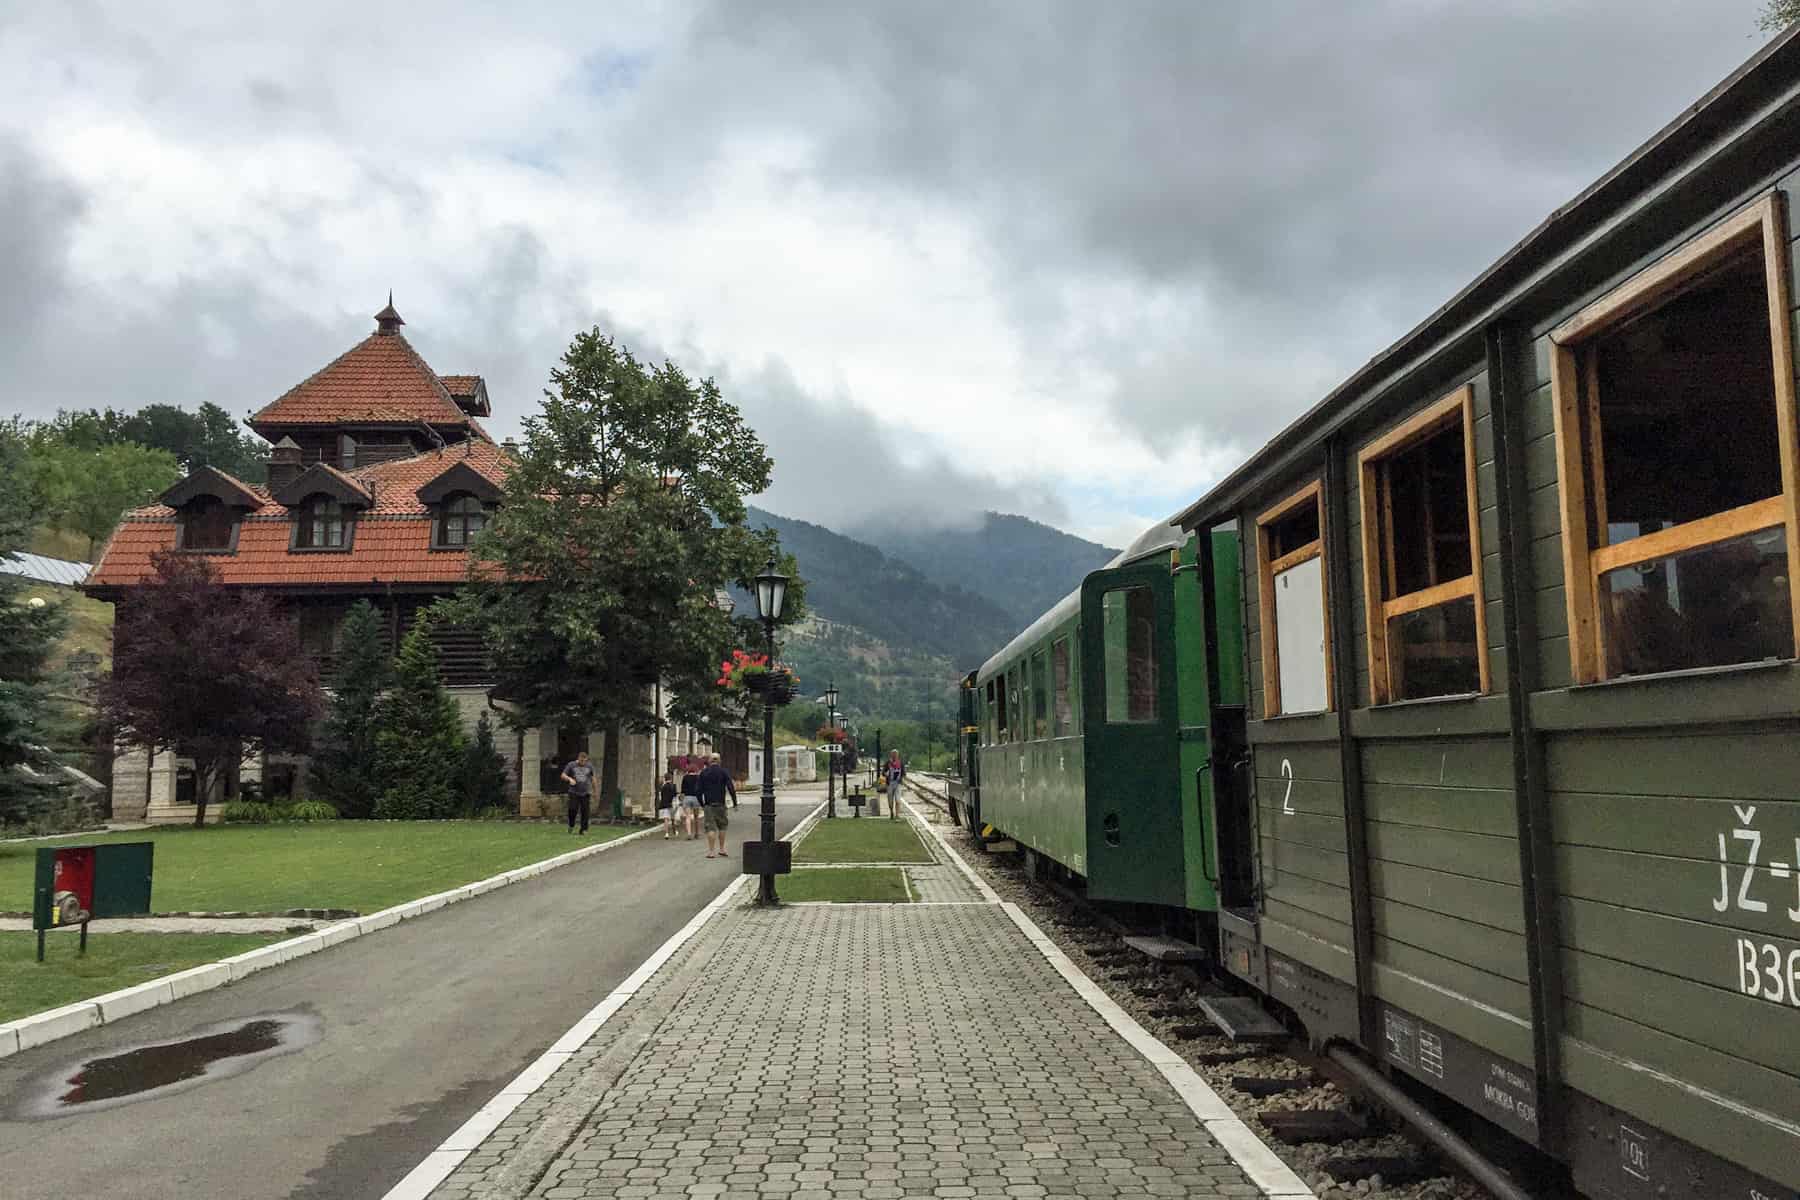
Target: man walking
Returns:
[[715, 784], [892, 774], [579, 775]]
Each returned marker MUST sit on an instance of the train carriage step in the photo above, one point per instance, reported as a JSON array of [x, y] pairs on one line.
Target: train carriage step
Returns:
[[1242, 1020], [1166, 949], [1299, 1125]]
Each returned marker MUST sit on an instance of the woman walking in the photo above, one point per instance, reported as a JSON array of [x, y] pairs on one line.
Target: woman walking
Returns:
[[690, 801], [665, 802]]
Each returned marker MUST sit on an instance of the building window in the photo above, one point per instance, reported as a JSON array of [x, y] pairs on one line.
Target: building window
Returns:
[[1128, 637], [319, 525], [462, 518], [1421, 547], [1059, 683], [1677, 458], [207, 523], [1296, 653]]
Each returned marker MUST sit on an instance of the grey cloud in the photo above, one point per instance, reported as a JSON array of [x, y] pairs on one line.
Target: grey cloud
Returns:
[[1314, 178]]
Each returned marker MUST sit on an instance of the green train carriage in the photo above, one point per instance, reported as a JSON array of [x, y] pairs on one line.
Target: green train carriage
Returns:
[[1505, 632], [1097, 727]]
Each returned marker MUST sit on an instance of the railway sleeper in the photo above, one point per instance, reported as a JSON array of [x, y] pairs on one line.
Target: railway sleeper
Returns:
[[1296, 1126], [1273, 1085], [1395, 1169]]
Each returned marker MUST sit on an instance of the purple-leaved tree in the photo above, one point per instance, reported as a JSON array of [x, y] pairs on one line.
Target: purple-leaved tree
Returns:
[[208, 674]]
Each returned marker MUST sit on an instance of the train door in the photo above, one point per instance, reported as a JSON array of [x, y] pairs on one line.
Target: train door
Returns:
[[1129, 718], [1221, 600]]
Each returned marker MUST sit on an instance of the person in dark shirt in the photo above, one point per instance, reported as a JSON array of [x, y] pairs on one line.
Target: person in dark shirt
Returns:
[[715, 784], [666, 803], [579, 775]]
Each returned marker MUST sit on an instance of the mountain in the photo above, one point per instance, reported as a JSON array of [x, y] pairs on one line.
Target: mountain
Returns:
[[893, 639], [1019, 565]]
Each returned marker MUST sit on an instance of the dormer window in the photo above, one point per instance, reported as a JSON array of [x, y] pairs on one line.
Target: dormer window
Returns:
[[207, 523], [461, 518], [320, 524]]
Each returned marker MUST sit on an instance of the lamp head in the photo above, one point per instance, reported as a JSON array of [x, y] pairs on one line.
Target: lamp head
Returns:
[[771, 593]]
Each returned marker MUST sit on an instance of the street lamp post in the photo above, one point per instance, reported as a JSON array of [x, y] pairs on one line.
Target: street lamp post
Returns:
[[832, 756], [771, 593]]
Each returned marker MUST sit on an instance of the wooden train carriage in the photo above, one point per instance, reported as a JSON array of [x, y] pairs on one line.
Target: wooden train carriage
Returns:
[[1520, 640], [1097, 726]]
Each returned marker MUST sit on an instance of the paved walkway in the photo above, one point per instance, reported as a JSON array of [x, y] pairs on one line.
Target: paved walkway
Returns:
[[820, 1052]]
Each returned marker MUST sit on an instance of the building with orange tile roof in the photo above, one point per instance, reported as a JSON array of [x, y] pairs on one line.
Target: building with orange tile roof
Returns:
[[380, 476]]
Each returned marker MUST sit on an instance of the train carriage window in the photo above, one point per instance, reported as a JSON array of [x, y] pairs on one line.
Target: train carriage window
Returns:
[[988, 715], [1128, 634], [1059, 684], [1296, 655], [1000, 729], [1040, 696], [1421, 545], [1677, 448]]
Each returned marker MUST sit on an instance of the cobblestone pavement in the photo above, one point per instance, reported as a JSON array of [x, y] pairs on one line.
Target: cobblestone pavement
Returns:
[[942, 884], [858, 1051]]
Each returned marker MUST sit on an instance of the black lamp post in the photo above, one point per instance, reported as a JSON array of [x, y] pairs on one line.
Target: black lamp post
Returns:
[[771, 593], [832, 756]]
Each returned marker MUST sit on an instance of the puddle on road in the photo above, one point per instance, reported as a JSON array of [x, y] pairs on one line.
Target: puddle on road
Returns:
[[161, 1068]]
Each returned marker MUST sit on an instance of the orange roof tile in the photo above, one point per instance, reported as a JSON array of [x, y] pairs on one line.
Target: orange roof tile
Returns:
[[391, 543], [379, 381], [460, 385]]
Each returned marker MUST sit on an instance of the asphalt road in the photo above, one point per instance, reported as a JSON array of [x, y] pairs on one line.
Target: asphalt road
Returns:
[[420, 1024]]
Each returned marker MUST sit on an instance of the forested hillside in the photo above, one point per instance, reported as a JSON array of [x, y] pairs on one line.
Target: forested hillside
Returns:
[[852, 583], [1018, 564]]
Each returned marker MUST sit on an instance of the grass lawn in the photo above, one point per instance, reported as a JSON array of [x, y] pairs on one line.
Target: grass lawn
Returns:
[[850, 885], [360, 865], [868, 839], [113, 961]]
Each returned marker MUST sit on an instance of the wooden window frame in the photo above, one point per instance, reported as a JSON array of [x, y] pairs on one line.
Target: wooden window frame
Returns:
[[1580, 470], [1266, 570], [447, 518], [1378, 546]]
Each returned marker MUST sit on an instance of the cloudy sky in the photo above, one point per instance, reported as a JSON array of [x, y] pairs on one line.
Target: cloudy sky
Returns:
[[1071, 260]]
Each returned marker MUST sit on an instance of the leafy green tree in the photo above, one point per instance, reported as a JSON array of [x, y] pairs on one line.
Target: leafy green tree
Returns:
[[484, 777], [88, 490], [625, 512], [208, 436], [1778, 15], [343, 772], [28, 638], [208, 673], [418, 737]]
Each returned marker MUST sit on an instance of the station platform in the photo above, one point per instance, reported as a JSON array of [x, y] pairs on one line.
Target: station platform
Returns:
[[820, 1051]]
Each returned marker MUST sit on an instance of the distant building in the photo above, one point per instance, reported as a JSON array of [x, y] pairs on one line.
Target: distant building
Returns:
[[380, 475], [43, 569]]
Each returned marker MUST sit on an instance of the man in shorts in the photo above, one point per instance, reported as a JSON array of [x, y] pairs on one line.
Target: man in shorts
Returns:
[[715, 784]]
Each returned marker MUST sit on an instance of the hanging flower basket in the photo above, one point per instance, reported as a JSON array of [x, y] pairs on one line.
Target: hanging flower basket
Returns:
[[780, 686]]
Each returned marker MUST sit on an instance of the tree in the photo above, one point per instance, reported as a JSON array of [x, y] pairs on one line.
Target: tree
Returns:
[[208, 674], [1778, 15], [622, 521], [418, 737], [88, 490], [483, 771], [28, 638], [343, 772]]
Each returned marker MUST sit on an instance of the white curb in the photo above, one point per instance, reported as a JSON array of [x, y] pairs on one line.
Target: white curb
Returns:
[[423, 1179], [39, 1028], [1253, 1157]]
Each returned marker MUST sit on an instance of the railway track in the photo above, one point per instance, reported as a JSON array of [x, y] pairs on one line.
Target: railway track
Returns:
[[1337, 1137]]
